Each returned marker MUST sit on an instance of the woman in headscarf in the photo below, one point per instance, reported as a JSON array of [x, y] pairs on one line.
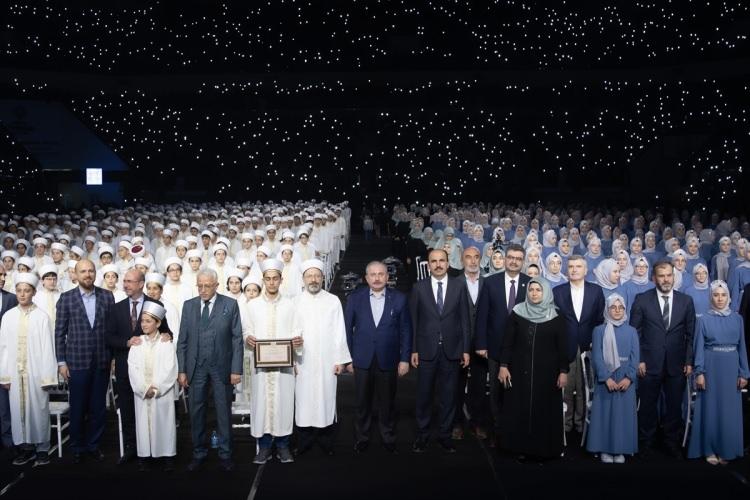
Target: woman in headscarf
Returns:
[[650, 250], [720, 261], [533, 370], [626, 267], [593, 257], [519, 236], [699, 290], [681, 277], [496, 263], [453, 247], [564, 251], [692, 254], [721, 372], [615, 355], [639, 282], [477, 238], [607, 276], [606, 240], [437, 240], [532, 240], [671, 246], [636, 248], [533, 256], [549, 243], [553, 270], [498, 235], [576, 245]]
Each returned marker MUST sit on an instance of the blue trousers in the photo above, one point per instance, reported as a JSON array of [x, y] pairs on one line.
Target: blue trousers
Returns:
[[442, 372], [88, 395], [266, 440], [205, 376]]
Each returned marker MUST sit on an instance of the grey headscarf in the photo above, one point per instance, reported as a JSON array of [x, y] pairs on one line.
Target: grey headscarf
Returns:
[[705, 284], [719, 312], [541, 312], [601, 272], [609, 342], [722, 260]]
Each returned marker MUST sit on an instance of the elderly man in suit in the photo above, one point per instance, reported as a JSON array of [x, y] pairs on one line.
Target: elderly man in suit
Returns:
[[7, 302], [500, 293], [209, 351], [378, 331], [581, 303], [84, 358], [440, 348], [123, 332], [665, 320]]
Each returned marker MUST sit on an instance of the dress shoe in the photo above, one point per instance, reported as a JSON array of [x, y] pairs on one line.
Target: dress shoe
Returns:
[[447, 446], [226, 465], [361, 446], [195, 464], [420, 445], [480, 432], [126, 457], [390, 448], [26, 456], [606, 458], [96, 455], [457, 433]]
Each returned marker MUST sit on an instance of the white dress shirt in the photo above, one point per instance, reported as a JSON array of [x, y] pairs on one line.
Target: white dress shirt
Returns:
[[576, 293], [444, 281], [472, 286], [507, 287], [661, 302]]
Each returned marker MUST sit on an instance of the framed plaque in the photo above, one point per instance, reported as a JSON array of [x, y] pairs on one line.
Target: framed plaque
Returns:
[[276, 353]]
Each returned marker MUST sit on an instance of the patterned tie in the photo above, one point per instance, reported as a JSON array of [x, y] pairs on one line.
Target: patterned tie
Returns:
[[134, 316], [204, 314], [512, 296], [665, 312], [440, 297]]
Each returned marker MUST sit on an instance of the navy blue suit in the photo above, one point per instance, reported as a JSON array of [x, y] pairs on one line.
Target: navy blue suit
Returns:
[[84, 349], [6, 435], [665, 351], [376, 352]]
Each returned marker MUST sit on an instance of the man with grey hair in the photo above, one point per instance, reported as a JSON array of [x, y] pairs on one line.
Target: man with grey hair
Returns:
[[209, 351]]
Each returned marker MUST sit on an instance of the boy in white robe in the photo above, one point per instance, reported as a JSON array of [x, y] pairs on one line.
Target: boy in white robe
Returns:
[[28, 367], [152, 369], [47, 295]]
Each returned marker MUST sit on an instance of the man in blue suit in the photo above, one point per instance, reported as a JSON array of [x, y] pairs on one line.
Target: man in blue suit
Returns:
[[209, 351], [581, 303], [500, 293], [442, 339], [7, 302], [665, 320], [84, 358], [378, 331]]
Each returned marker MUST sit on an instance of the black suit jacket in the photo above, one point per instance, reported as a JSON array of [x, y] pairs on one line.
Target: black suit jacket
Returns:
[[592, 314], [452, 327], [9, 302], [119, 332], [663, 349], [472, 307], [492, 313]]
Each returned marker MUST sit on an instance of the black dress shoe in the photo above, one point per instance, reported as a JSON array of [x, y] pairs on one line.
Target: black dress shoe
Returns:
[[390, 448], [447, 446], [128, 456], [226, 465], [195, 464], [96, 455], [420, 445], [361, 446]]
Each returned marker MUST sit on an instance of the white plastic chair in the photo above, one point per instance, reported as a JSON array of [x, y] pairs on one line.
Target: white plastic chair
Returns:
[[423, 270], [588, 385], [58, 410], [690, 395]]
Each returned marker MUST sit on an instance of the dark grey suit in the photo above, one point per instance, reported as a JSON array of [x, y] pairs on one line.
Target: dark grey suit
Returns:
[[208, 353], [6, 435], [440, 340], [472, 391]]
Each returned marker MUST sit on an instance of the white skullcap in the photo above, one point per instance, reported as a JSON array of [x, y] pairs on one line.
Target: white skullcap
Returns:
[[59, 246], [142, 261], [110, 268], [106, 249], [260, 233], [192, 239], [77, 250], [286, 247], [264, 250], [252, 279], [181, 243], [194, 253], [46, 269], [243, 262], [237, 273], [107, 232], [172, 260], [312, 263], [28, 278], [27, 261], [207, 233], [40, 241], [9, 253], [156, 278], [153, 309], [125, 244], [270, 227], [167, 232], [221, 246], [271, 264], [92, 239], [247, 236], [22, 241]]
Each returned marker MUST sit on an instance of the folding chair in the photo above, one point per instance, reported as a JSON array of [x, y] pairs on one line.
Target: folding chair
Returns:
[[57, 410], [588, 384], [423, 270], [690, 395], [564, 411]]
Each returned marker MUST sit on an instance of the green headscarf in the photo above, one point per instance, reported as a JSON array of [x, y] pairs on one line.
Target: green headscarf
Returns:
[[541, 312]]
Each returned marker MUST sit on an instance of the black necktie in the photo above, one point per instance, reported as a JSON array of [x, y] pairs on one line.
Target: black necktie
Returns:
[[512, 296], [440, 297], [134, 316], [665, 312], [204, 313]]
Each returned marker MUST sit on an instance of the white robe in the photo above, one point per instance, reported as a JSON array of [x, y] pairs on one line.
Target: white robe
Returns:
[[28, 364], [177, 293], [305, 252], [272, 389], [154, 363], [46, 301], [319, 319], [291, 283]]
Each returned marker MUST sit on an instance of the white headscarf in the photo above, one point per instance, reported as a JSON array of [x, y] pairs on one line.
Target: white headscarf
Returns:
[[609, 342], [554, 277], [640, 280], [696, 285], [720, 312], [601, 272], [627, 273]]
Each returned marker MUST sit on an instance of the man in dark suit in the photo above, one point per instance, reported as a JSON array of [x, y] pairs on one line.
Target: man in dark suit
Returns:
[[581, 303], [124, 331], [471, 390], [84, 358], [209, 351], [665, 320], [500, 293], [378, 331], [7, 302], [440, 347]]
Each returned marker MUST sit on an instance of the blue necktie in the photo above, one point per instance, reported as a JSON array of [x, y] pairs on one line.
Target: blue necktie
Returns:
[[204, 314], [440, 297]]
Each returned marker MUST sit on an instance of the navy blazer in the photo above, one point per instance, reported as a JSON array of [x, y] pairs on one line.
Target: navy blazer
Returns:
[[492, 313], [592, 314], [390, 341], [228, 348], [663, 349], [9, 302], [78, 344], [430, 326]]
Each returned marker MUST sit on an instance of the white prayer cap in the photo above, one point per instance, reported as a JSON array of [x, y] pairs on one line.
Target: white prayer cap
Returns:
[[243, 262], [192, 239], [237, 273], [195, 225], [137, 240], [26, 261], [59, 246], [72, 264], [46, 269], [247, 236], [223, 240], [125, 244], [303, 230], [110, 268], [260, 233], [270, 227], [64, 237], [106, 249], [22, 241], [312, 263], [157, 278], [142, 261], [92, 239], [287, 234], [181, 243], [77, 250], [107, 232], [154, 309], [167, 233], [264, 250], [286, 247], [271, 264], [28, 278], [234, 228], [207, 233], [172, 260], [194, 253], [221, 246], [40, 241], [318, 216], [252, 279], [9, 253], [137, 251]]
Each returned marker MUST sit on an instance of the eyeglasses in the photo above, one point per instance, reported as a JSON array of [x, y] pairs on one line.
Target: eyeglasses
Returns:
[[508, 257]]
